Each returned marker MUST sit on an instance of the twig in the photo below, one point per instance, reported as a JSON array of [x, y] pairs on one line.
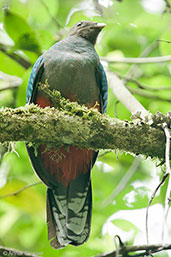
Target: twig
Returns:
[[144, 248], [9, 82], [167, 153], [150, 201], [123, 94], [4, 251], [104, 153], [50, 14], [143, 60], [116, 247], [9, 87], [20, 190], [142, 86], [123, 181], [98, 7], [165, 41], [147, 95], [132, 72], [168, 171], [23, 62]]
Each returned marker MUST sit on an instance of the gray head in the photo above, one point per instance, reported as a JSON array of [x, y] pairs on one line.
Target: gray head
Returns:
[[87, 29]]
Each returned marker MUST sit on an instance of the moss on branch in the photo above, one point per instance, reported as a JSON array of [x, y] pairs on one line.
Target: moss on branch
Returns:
[[70, 123]]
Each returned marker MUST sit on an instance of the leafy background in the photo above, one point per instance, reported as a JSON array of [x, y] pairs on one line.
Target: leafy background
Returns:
[[27, 29]]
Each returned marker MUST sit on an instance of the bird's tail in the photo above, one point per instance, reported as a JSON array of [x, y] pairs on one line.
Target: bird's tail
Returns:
[[68, 226]]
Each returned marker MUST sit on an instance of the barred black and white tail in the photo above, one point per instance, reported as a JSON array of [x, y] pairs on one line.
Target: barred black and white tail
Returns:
[[68, 217]]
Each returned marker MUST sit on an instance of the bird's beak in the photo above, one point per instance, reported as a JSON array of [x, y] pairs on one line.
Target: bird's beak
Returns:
[[101, 25]]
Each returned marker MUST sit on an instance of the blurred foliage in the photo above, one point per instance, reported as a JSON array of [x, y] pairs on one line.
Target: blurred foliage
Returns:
[[27, 29]]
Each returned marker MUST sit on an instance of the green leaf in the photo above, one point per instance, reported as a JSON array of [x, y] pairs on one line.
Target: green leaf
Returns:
[[22, 34], [125, 225], [10, 66], [20, 200]]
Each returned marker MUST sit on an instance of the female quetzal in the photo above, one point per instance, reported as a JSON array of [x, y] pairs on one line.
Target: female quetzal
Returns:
[[71, 66]]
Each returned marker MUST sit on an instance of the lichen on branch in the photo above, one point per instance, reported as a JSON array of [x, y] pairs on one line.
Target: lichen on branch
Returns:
[[70, 123]]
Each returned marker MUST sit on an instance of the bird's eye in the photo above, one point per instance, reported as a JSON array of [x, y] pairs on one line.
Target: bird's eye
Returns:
[[79, 24]]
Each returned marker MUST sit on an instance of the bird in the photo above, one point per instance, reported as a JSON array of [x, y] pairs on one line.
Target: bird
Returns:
[[71, 66]]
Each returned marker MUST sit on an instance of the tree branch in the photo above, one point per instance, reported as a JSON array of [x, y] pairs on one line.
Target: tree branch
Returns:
[[133, 71], [123, 94], [150, 201], [141, 85], [9, 82], [168, 171], [140, 60], [20, 190], [141, 92], [123, 182], [56, 22], [16, 57], [124, 250], [83, 127]]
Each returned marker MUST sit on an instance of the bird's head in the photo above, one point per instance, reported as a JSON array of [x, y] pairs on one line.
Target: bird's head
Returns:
[[87, 29]]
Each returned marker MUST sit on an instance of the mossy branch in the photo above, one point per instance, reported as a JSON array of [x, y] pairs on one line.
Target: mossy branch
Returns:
[[69, 123]]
